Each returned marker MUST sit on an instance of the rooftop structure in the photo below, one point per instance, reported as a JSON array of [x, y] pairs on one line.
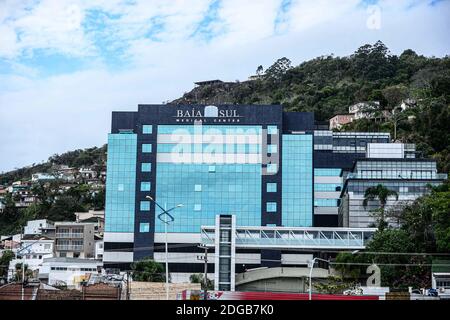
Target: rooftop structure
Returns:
[[208, 82]]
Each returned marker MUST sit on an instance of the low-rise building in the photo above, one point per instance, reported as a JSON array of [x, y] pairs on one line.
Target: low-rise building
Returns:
[[87, 173], [208, 82], [368, 110], [92, 216], [340, 119], [409, 178], [34, 248], [74, 240], [42, 177], [37, 226], [99, 247], [440, 277], [10, 242], [68, 271]]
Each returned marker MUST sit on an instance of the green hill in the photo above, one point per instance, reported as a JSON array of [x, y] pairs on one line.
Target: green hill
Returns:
[[328, 85]]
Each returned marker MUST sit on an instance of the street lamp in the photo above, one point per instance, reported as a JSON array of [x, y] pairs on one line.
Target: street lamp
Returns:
[[312, 262], [166, 222]]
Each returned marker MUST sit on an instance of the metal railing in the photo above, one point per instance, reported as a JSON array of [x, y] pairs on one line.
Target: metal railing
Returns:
[[302, 238], [69, 235], [63, 247]]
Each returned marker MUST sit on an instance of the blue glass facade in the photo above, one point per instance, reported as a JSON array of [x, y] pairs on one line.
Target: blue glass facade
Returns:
[[230, 189], [297, 180], [120, 183], [208, 188]]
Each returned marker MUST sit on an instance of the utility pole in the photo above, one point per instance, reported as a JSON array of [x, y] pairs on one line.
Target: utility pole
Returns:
[[128, 286], [205, 276]]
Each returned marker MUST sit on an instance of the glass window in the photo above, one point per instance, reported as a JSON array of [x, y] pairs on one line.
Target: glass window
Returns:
[[297, 180], [272, 148], [271, 187], [228, 188], [271, 207], [144, 227], [146, 148], [197, 207], [147, 129], [146, 167], [272, 168], [272, 130], [145, 186], [145, 205]]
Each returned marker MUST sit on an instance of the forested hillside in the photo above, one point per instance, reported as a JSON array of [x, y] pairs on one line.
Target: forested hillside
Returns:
[[75, 159], [328, 85]]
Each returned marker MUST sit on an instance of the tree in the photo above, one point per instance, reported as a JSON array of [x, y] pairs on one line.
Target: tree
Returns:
[[397, 270], [278, 69], [148, 270], [394, 95], [18, 272], [259, 70], [333, 285], [198, 278], [381, 193], [438, 205], [5, 258]]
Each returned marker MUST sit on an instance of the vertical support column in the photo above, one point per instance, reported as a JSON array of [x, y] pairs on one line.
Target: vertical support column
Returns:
[[216, 252], [233, 253], [225, 257]]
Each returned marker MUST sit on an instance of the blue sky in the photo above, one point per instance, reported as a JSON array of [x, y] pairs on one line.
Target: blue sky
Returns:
[[66, 64]]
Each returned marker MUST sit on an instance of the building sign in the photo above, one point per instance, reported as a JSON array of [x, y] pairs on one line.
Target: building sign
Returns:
[[208, 114]]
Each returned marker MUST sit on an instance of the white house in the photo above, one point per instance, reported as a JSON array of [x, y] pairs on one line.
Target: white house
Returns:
[[68, 271], [98, 248], [36, 226], [42, 177], [440, 277], [32, 252]]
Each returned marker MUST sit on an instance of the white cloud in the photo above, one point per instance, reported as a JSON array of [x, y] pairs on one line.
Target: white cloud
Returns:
[[41, 116], [8, 42], [246, 21], [306, 14]]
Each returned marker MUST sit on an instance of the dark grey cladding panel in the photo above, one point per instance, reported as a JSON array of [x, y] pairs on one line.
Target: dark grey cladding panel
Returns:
[[298, 121], [246, 114], [326, 220], [123, 120], [329, 159]]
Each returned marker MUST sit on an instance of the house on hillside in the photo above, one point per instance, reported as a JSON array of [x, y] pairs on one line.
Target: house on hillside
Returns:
[[368, 110], [340, 119], [208, 82], [37, 226], [74, 240], [34, 248]]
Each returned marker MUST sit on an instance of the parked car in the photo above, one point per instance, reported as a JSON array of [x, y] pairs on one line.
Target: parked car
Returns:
[[433, 292]]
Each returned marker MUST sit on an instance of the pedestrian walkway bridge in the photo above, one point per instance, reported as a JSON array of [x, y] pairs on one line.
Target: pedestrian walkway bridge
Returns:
[[295, 238]]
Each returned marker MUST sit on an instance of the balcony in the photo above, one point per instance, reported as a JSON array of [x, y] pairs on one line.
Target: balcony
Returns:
[[67, 235], [442, 176], [69, 247]]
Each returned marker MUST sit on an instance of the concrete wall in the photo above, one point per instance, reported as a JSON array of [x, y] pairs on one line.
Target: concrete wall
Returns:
[[157, 290], [277, 279]]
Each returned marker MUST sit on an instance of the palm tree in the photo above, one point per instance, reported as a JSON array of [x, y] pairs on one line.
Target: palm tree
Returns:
[[381, 193]]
